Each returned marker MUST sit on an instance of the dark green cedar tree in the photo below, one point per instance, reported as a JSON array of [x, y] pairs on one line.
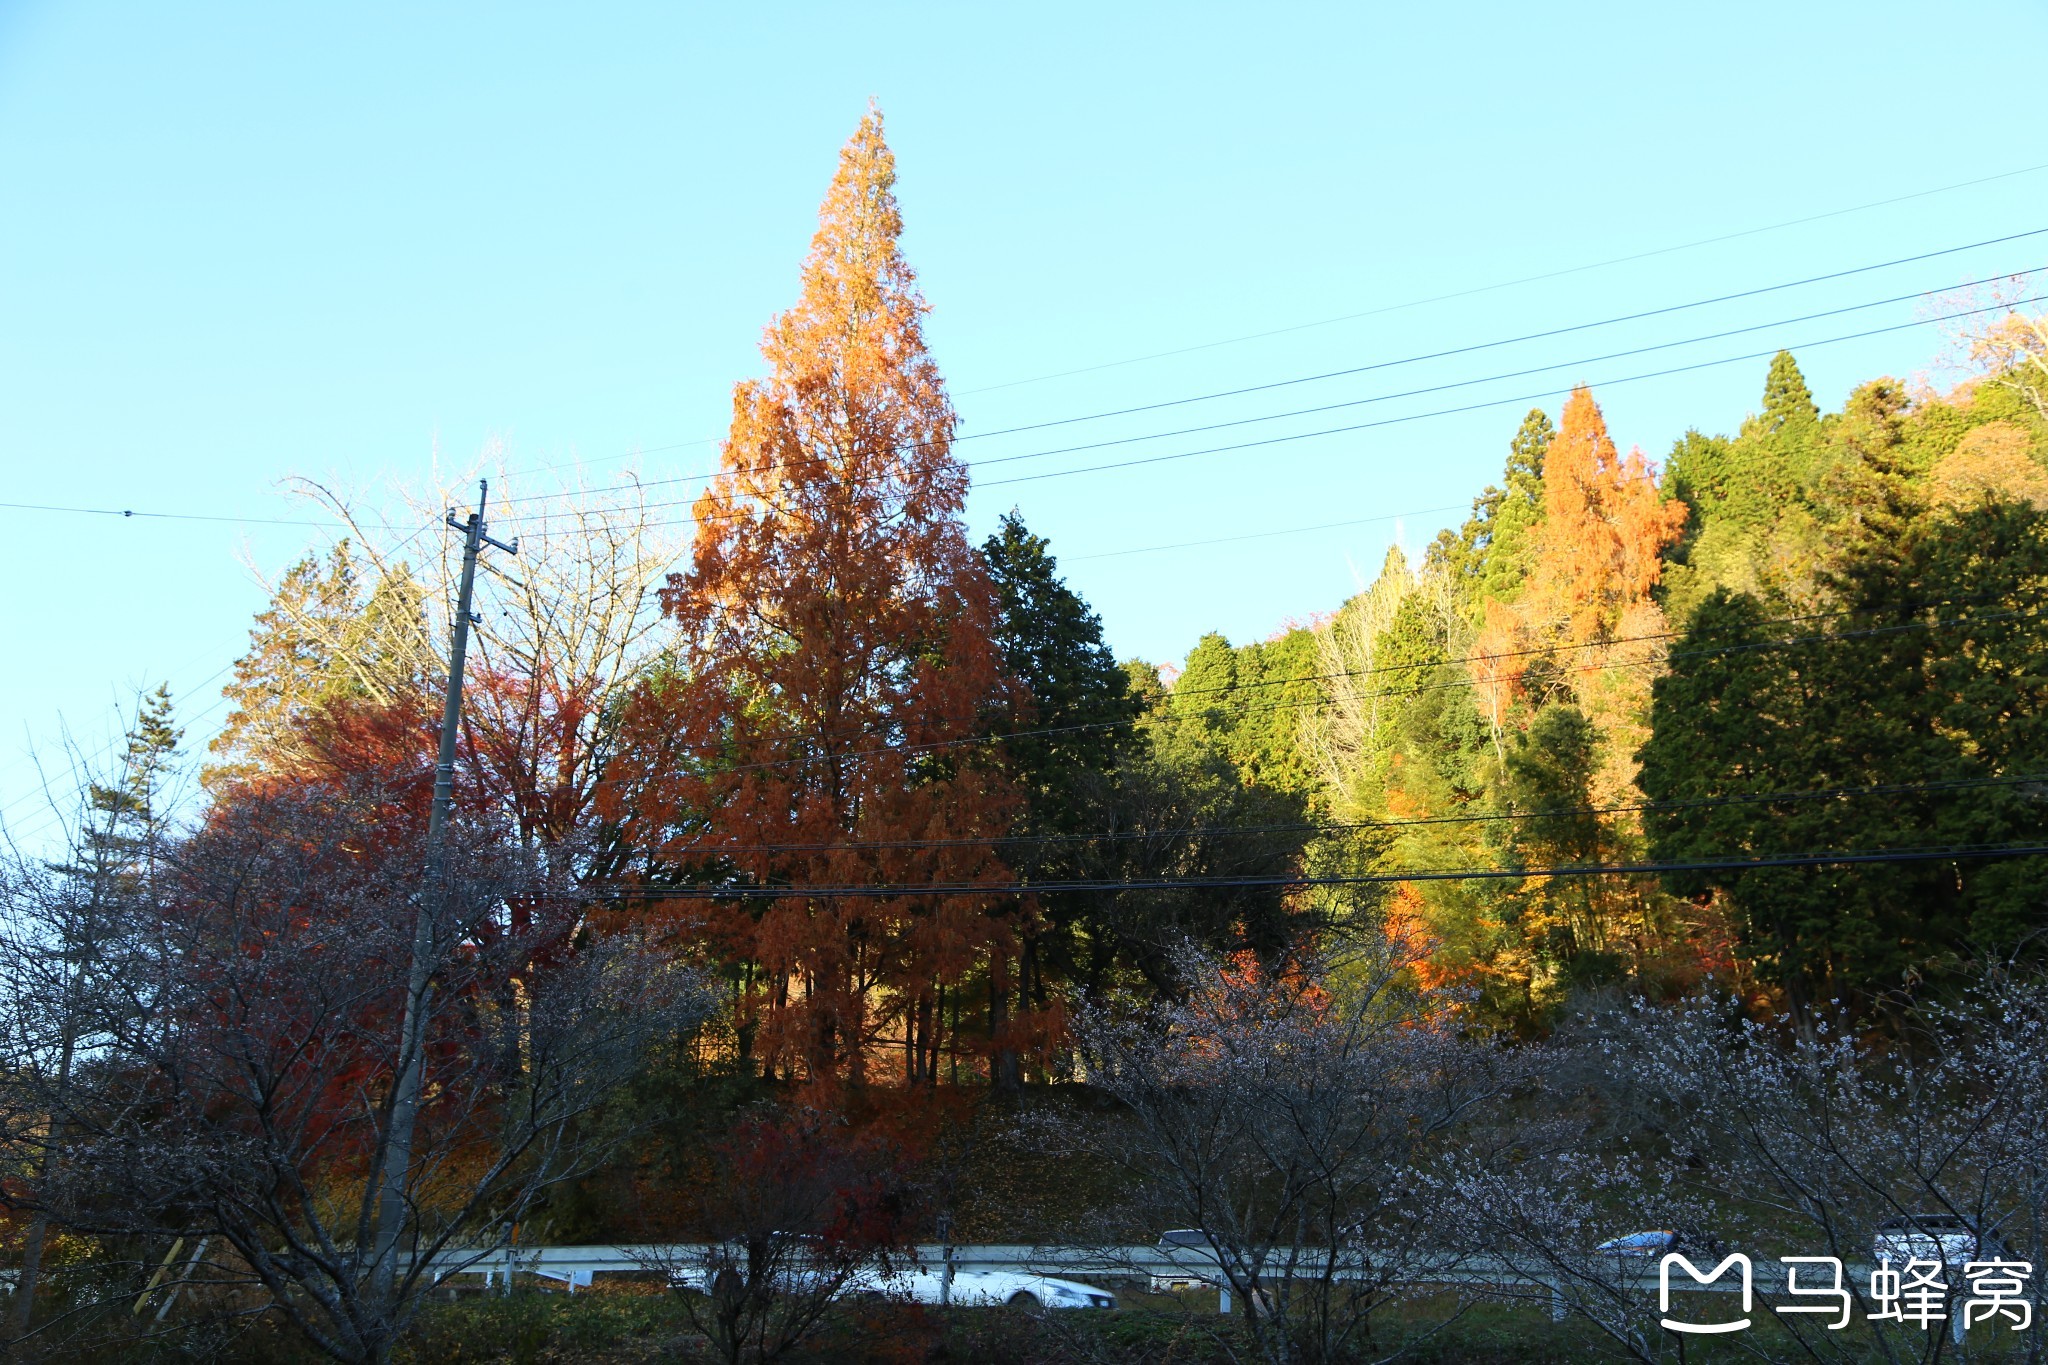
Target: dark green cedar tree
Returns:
[[1933, 675]]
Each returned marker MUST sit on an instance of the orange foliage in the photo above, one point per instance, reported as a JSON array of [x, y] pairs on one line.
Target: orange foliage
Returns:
[[1498, 662], [1598, 556], [836, 647], [1603, 533], [1407, 928]]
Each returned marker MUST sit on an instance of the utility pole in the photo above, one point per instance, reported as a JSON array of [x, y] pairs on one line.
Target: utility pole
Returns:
[[406, 1088]]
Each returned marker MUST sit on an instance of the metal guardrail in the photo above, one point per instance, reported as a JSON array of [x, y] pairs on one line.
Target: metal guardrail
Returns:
[[575, 1265], [1549, 1285], [1043, 1259]]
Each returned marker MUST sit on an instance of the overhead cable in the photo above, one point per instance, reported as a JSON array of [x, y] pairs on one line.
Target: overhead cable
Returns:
[[1290, 881]]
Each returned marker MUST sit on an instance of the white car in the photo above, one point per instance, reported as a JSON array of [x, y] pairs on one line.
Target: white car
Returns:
[[1195, 1262], [978, 1288], [1653, 1243]]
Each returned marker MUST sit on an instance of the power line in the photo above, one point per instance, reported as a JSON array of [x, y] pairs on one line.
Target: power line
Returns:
[[1172, 715], [1497, 402], [965, 465], [940, 746], [180, 516], [1278, 881], [1515, 283], [1463, 681], [1357, 826], [750, 510], [622, 455], [99, 755], [1536, 336], [1267, 535], [1537, 650], [955, 440], [1452, 296], [1046, 731], [1495, 378], [130, 513]]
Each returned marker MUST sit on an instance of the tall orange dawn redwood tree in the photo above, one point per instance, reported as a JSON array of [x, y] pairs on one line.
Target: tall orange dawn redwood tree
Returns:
[[1588, 607], [836, 647], [1598, 553]]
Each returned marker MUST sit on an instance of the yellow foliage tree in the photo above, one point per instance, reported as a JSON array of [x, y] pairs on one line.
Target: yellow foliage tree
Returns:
[[1996, 459]]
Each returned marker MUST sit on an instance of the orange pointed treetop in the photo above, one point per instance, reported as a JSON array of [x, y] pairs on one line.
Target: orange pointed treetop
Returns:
[[1604, 529]]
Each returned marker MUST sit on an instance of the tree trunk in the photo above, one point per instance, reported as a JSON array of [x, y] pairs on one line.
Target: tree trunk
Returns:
[[910, 1046], [1004, 1073]]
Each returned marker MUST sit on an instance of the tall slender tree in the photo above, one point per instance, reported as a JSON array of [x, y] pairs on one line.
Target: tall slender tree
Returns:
[[1512, 514], [1081, 709], [837, 657], [127, 815], [1561, 677], [1064, 745], [63, 920]]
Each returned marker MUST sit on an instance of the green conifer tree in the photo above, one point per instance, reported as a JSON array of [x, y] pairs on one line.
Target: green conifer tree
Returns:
[[1492, 553], [1918, 681], [331, 633], [1205, 696], [1513, 549], [1525, 454], [1788, 403], [125, 815], [1052, 643]]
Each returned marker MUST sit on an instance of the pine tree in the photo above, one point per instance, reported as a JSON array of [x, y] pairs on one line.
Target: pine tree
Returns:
[[1052, 643], [838, 655], [1205, 696], [1697, 472], [1525, 455], [1511, 552], [328, 637], [1549, 775], [1788, 403], [1491, 555], [1063, 746], [125, 817], [1922, 680]]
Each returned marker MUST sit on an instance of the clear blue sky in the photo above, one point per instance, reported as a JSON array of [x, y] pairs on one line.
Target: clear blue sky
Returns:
[[245, 241]]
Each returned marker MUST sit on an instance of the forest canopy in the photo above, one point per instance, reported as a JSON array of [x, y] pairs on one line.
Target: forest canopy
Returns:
[[893, 786]]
